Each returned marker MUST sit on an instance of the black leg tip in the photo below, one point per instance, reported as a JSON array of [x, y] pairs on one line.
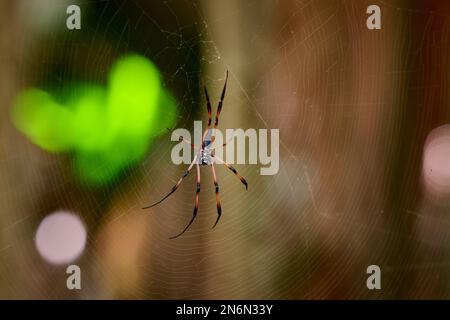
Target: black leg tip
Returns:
[[215, 224], [174, 237]]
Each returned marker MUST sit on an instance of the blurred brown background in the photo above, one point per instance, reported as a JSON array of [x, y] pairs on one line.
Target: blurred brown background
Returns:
[[356, 109]]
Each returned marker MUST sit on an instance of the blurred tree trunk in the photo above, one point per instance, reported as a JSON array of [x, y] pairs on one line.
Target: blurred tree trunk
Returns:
[[13, 182]]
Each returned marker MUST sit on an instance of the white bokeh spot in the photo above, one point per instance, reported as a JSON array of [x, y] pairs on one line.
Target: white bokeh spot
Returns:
[[61, 237], [436, 161]]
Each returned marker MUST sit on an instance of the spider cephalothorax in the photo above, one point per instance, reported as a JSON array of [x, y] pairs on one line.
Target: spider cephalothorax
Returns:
[[204, 157], [205, 153]]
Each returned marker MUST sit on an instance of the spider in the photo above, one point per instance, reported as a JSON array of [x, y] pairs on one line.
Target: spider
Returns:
[[204, 156]]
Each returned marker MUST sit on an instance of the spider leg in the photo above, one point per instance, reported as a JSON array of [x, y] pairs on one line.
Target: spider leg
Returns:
[[216, 184], [234, 171], [194, 213], [219, 107], [208, 106], [227, 142], [175, 187], [183, 139]]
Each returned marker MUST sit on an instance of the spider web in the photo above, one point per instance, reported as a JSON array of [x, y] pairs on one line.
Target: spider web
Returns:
[[309, 231]]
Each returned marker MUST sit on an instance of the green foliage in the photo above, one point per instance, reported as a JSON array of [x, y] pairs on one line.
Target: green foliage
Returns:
[[106, 130]]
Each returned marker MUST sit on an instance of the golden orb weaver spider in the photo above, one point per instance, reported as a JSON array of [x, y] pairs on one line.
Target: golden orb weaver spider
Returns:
[[204, 157]]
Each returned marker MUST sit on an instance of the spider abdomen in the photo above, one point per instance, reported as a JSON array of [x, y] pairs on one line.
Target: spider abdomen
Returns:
[[205, 157]]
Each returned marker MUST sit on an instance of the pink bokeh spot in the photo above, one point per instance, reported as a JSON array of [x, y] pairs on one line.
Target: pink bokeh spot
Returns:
[[436, 161], [61, 237]]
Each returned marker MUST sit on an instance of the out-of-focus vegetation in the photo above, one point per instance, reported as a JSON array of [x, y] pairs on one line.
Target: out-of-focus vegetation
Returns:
[[107, 129]]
